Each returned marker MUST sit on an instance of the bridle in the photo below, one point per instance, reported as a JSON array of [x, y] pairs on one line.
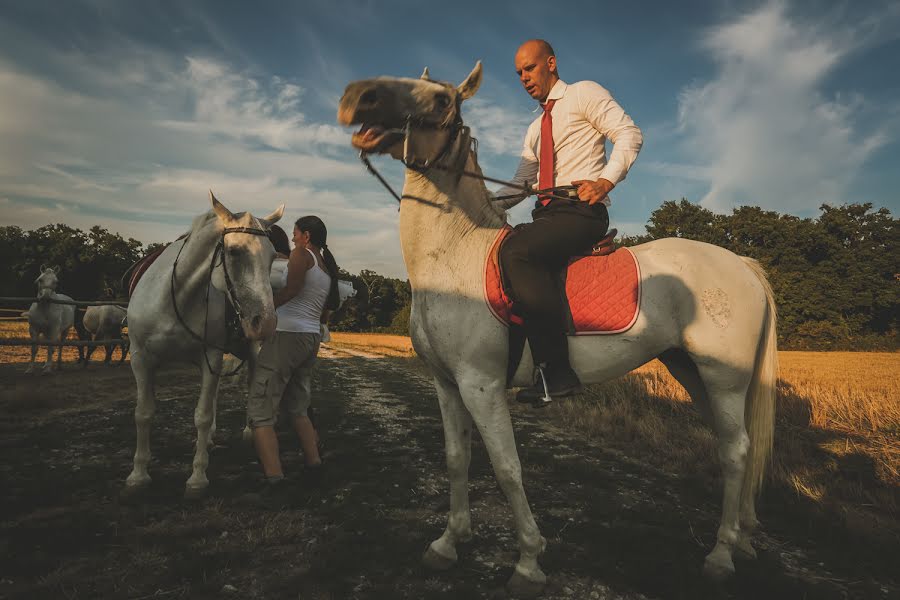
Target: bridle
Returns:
[[230, 293], [457, 129]]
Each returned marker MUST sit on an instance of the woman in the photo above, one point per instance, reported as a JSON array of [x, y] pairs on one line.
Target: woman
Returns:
[[284, 368]]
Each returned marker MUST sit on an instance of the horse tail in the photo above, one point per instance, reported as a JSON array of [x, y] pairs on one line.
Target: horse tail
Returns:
[[759, 410]]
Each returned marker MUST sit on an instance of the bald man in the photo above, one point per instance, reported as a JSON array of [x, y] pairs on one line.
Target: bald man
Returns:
[[564, 146]]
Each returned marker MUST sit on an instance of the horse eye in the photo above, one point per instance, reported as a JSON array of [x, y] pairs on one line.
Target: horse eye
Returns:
[[442, 101]]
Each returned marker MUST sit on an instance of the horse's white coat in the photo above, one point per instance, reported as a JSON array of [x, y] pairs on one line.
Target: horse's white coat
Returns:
[[49, 320], [157, 336], [722, 352]]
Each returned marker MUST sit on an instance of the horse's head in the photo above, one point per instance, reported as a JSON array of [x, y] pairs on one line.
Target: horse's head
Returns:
[[247, 256], [46, 283], [386, 106]]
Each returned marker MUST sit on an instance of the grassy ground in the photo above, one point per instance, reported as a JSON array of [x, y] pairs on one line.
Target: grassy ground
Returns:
[[837, 438]]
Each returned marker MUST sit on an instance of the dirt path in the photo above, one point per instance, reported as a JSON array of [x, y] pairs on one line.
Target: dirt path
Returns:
[[616, 528]]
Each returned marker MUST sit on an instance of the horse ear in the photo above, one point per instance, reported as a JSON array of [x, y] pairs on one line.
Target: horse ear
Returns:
[[468, 87], [223, 213], [273, 218], [425, 75]]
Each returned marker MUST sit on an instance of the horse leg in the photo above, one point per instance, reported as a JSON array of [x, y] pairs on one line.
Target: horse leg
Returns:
[[204, 415], [441, 554], [59, 350], [90, 350], [124, 348], [728, 394], [144, 369], [211, 440], [48, 364], [743, 549], [109, 350], [685, 372], [486, 402], [34, 348]]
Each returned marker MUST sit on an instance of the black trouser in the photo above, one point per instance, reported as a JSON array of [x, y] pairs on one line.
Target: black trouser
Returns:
[[533, 258]]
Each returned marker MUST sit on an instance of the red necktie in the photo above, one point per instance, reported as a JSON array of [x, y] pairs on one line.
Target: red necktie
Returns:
[[545, 180]]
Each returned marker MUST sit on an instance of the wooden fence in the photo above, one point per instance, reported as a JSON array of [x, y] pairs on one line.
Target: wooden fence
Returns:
[[81, 304]]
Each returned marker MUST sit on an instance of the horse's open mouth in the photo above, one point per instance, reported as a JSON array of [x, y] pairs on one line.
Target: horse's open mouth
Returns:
[[374, 138]]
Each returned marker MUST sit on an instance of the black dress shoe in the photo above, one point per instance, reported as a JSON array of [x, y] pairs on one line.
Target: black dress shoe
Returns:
[[559, 383]]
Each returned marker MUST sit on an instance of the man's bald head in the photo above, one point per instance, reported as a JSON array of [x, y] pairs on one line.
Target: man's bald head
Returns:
[[541, 47], [536, 68]]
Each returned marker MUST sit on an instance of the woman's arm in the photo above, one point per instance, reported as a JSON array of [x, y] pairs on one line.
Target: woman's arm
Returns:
[[298, 264]]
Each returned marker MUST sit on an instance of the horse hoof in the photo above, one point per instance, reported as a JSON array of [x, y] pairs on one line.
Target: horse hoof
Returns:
[[193, 494], [718, 567], [520, 586], [744, 550], [132, 494], [435, 561]]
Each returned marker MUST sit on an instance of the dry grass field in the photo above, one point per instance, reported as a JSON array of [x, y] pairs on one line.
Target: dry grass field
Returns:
[[387, 345], [837, 436]]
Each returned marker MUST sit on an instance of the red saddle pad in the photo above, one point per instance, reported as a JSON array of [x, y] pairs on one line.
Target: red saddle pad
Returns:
[[604, 292]]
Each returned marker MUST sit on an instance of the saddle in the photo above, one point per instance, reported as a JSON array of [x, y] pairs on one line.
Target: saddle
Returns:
[[138, 269], [602, 293]]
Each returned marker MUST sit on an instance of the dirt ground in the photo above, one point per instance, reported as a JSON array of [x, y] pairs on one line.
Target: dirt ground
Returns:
[[615, 527]]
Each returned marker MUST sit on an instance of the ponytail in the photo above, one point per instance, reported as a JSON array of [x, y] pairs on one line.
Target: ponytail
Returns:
[[334, 297], [318, 235]]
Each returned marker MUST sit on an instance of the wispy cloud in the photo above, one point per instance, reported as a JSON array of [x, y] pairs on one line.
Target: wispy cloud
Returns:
[[142, 166], [763, 130]]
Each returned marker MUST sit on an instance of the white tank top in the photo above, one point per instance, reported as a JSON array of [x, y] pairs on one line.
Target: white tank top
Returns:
[[301, 314]]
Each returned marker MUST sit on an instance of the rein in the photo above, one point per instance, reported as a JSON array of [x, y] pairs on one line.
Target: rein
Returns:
[[229, 291], [423, 166]]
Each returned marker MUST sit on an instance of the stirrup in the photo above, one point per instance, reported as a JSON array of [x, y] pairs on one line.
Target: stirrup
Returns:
[[541, 402]]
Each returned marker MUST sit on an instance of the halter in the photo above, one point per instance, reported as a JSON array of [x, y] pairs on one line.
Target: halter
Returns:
[[229, 291], [456, 128]]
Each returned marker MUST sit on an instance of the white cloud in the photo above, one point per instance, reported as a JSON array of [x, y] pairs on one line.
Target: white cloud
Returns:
[[141, 164], [762, 130], [497, 128]]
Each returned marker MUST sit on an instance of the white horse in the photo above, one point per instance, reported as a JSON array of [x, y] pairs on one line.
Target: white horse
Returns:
[[179, 311], [705, 312], [105, 323], [49, 320]]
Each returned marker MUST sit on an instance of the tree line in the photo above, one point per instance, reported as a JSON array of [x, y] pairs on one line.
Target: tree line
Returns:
[[836, 277], [93, 262]]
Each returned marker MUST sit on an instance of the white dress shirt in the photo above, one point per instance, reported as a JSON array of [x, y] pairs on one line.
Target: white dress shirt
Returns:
[[584, 116]]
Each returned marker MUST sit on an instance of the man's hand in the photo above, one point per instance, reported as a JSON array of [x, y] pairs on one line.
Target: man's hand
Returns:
[[593, 191]]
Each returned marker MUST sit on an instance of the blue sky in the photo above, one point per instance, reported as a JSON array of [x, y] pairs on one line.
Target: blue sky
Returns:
[[124, 113]]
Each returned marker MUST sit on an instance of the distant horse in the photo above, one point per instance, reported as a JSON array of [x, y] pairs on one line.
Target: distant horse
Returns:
[[180, 312], [105, 323], [706, 313], [47, 319]]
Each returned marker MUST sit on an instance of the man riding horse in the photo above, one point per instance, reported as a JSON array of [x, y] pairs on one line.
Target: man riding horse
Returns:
[[563, 146]]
